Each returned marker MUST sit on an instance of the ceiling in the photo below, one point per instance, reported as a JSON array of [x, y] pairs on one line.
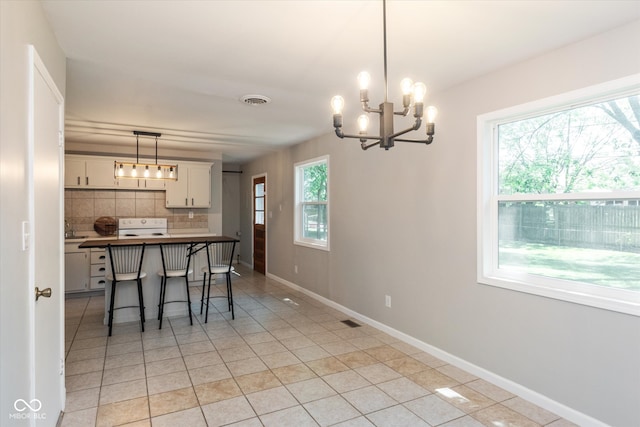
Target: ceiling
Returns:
[[181, 67]]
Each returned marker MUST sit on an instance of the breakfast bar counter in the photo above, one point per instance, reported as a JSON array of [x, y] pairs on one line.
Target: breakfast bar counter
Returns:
[[154, 241], [152, 264]]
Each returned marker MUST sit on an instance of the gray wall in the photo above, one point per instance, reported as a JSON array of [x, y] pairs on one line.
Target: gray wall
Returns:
[[21, 23], [403, 223]]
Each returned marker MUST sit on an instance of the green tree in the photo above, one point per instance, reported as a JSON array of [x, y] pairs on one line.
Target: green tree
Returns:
[[579, 149]]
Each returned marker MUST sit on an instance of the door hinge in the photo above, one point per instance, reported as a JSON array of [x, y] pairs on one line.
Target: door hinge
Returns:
[[61, 366], [60, 139]]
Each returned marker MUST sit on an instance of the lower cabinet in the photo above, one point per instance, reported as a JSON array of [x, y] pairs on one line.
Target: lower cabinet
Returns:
[[98, 268], [76, 268], [84, 269]]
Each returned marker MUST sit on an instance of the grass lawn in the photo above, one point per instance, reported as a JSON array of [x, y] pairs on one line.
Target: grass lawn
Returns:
[[596, 266]]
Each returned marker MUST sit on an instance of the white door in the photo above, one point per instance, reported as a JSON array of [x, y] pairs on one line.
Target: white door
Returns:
[[47, 247]]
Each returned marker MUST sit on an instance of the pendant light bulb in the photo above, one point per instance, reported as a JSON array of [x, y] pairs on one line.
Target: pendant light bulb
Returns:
[[337, 104], [134, 172], [419, 92], [146, 171], [171, 173], [431, 114], [121, 170], [159, 173], [363, 123], [407, 86], [364, 78]]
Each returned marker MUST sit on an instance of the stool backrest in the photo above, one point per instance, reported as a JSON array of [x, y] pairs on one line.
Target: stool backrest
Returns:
[[221, 253], [176, 257], [126, 259]]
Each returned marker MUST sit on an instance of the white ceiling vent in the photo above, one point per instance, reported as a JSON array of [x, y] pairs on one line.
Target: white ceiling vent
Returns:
[[255, 99]]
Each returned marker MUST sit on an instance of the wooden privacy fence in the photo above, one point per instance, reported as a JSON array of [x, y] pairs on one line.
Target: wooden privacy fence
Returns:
[[580, 225]]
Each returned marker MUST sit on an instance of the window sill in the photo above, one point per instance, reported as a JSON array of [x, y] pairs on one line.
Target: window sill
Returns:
[[545, 287]]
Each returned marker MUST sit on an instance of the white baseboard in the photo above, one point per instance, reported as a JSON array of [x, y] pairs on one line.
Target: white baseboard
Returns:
[[515, 388]]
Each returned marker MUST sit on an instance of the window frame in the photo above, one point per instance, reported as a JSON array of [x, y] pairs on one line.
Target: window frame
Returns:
[[488, 199], [298, 170]]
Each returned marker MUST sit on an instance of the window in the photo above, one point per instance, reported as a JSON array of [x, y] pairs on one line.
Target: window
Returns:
[[558, 197], [312, 203]]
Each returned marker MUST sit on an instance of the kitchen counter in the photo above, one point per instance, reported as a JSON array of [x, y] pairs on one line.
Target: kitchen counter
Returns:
[[151, 241]]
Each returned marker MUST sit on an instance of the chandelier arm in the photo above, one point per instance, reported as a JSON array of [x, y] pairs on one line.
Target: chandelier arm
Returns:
[[427, 141], [415, 126], [367, 109], [403, 112], [360, 137], [366, 147]]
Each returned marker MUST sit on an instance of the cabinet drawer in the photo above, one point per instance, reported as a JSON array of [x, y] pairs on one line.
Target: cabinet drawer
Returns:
[[98, 270], [98, 257], [98, 282]]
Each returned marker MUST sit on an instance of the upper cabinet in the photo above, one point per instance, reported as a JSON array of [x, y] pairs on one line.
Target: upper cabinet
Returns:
[[192, 190], [88, 172], [193, 187]]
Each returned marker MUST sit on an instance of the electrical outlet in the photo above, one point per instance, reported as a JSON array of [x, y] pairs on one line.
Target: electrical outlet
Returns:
[[387, 301], [295, 269], [190, 214]]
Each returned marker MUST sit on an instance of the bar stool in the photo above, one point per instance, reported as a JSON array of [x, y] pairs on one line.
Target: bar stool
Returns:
[[219, 261], [176, 259], [126, 266]]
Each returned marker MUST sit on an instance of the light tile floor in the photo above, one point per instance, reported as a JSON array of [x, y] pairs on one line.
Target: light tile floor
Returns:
[[286, 360]]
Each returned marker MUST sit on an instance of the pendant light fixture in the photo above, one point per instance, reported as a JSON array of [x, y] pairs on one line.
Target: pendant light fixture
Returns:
[[129, 170], [413, 95]]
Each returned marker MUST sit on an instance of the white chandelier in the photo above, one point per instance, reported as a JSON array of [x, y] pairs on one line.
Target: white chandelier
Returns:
[[413, 95], [137, 170]]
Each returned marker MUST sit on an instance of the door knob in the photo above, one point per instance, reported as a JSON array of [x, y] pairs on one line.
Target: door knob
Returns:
[[46, 293]]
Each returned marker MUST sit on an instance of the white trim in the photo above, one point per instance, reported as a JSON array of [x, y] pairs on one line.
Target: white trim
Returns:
[[488, 273], [513, 387]]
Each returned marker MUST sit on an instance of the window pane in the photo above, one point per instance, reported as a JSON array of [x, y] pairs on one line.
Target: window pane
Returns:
[[314, 222], [589, 148], [259, 190], [315, 183], [260, 218], [259, 203], [596, 242]]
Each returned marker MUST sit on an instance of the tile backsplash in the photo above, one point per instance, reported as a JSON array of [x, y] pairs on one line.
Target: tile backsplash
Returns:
[[83, 207]]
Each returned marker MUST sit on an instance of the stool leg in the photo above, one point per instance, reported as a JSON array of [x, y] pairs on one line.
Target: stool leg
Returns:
[[186, 282], [141, 302], [206, 317], [163, 290], [230, 295], [113, 299], [160, 299], [204, 280]]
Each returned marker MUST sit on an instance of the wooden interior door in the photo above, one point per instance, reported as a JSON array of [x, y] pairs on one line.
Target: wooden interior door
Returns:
[[259, 219]]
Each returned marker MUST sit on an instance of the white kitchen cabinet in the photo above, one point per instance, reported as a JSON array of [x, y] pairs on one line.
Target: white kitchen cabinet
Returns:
[[140, 184], [76, 268], [127, 184], [193, 187], [88, 172]]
